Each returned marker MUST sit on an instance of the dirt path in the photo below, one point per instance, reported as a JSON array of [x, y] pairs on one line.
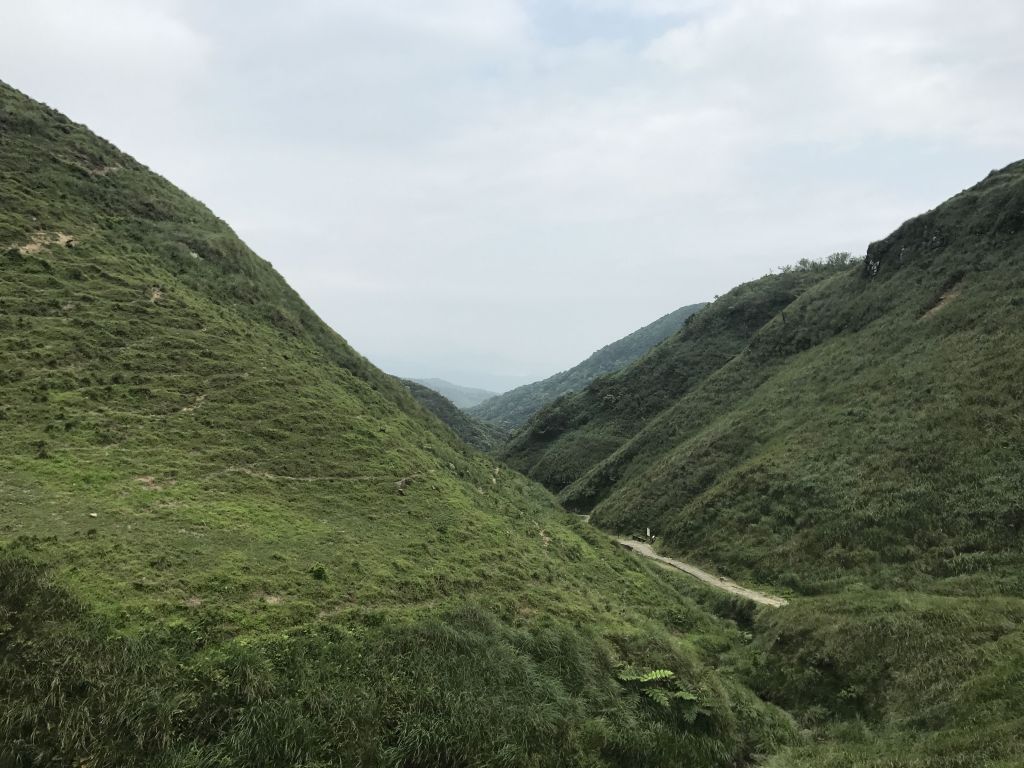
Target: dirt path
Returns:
[[715, 581]]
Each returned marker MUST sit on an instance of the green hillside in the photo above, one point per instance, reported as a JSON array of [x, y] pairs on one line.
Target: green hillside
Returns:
[[878, 423], [462, 397], [574, 434], [226, 539], [862, 448], [480, 435], [513, 409]]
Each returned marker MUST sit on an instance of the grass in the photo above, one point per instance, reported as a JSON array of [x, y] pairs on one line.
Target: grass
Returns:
[[370, 687], [226, 539], [895, 677]]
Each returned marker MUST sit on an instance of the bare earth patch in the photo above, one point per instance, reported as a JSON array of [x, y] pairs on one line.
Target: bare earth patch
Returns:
[[951, 295], [105, 170], [195, 404], [41, 240], [151, 483]]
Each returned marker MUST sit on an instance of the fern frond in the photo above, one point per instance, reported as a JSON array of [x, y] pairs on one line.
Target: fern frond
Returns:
[[657, 675], [659, 696]]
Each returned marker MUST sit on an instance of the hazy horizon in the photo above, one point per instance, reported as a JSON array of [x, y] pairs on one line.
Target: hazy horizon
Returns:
[[497, 381], [487, 191]]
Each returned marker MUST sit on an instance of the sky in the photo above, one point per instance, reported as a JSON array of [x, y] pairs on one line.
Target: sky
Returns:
[[489, 190]]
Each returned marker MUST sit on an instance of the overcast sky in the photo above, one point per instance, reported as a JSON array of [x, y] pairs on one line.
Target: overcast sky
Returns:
[[489, 190]]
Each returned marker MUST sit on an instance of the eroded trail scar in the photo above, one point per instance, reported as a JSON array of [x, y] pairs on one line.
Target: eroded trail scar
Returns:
[[715, 581]]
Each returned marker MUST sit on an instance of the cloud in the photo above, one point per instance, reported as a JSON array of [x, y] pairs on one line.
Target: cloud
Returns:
[[856, 69], [75, 42], [670, 8], [506, 185], [122, 66], [475, 22]]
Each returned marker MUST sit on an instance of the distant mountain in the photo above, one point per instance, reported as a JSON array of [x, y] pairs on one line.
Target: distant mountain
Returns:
[[479, 434], [462, 397], [513, 409]]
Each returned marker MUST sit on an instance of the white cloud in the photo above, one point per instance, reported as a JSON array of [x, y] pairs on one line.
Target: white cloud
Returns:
[[856, 69], [455, 187], [468, 21], [119, 65], [69, 40], [656, 7]]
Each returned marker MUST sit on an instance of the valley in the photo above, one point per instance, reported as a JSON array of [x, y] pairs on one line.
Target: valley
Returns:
[[229, 539]]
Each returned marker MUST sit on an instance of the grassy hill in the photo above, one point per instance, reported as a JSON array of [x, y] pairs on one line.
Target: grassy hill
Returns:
[[480, 435], [861, 447], [876, 424], [227, 539], [572, 435], [513, 409], [462, 397]]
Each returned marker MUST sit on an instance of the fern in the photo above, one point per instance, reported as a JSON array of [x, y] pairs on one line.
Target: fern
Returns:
[[661, 686], [659, 696], [629, 675]]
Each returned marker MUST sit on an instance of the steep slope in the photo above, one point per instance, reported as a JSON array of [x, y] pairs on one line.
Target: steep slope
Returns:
[[513, 409], [227, 539], [865, 447], [462, 397], [880, 420], [484, 437], [574, 434]]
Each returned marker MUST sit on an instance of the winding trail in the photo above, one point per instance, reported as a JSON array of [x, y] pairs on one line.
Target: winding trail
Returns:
[[717, 582]]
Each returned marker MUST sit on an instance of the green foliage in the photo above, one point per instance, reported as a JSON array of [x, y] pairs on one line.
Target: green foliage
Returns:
[[319, 572], [629, 675], [899, 678], [387, 687], [661, 687], [247, 546], [511, 410]]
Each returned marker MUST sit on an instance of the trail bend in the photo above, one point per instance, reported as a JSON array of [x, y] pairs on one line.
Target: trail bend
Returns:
[[718, 582]]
